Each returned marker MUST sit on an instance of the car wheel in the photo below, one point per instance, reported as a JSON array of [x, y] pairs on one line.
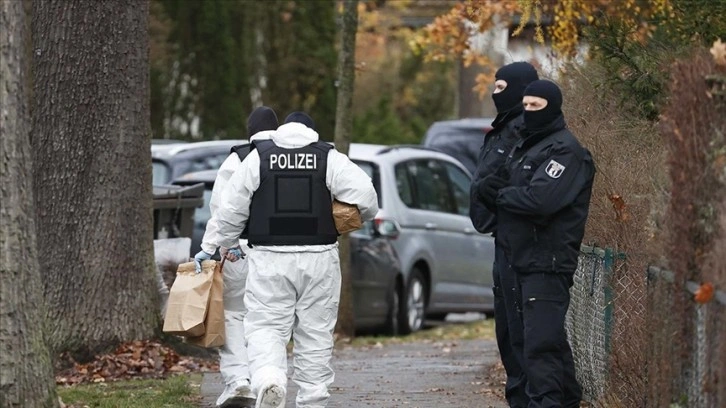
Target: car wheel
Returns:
[[392, 324], [413, 304]]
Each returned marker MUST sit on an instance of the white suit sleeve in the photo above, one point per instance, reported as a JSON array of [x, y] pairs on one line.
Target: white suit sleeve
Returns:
[[224, 173], [350, 184], [233, 212]]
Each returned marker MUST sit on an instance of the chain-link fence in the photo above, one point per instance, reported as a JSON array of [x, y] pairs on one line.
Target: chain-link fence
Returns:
[[640, 340], [589, 321]]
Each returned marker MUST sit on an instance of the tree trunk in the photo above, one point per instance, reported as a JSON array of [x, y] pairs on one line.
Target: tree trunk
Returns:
[[343, 130], [26, 371], [91, 144]]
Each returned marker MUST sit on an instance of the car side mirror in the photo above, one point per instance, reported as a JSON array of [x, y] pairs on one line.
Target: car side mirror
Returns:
[[388, 228]]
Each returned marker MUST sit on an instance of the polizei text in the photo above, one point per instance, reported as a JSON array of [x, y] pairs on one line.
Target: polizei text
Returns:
[[294, 161]]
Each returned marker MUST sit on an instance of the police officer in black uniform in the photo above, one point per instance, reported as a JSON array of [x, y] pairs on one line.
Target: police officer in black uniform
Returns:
[[510, 82], [542, 208]]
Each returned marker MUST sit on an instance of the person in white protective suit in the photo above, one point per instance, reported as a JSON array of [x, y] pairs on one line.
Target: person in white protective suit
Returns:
[[233, 364], [283, 192]]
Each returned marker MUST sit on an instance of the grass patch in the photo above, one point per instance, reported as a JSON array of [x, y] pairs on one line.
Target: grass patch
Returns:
[[481, 329], [181, 391]]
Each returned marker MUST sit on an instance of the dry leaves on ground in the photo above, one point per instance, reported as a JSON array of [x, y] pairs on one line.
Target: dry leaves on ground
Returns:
[[138, 359], [719, 52]]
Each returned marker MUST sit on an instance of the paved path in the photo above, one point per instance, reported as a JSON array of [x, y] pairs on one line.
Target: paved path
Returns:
[[459, 374]]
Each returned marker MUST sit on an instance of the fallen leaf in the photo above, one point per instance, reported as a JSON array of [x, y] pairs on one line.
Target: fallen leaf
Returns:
[[138, 359], [621, 212], [719, 52], [178, 369], [704, 293]]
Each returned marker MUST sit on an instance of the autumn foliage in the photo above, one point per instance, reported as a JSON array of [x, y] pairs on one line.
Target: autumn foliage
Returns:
[[450, 35]]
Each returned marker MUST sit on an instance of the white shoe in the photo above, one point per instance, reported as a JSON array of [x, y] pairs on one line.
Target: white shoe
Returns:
[[272, 396], [237, 395]]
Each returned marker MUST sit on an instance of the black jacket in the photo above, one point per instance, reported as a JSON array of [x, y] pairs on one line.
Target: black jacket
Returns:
[[546, 205], [498, 143]]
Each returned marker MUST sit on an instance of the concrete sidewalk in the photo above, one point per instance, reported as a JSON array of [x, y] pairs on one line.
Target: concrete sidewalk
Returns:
[[457, 374]]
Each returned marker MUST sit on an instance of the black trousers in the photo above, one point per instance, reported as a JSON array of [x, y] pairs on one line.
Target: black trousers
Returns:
[[509, 330], [543, 299]]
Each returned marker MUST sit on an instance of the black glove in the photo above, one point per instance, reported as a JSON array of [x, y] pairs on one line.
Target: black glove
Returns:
[[488, 188]]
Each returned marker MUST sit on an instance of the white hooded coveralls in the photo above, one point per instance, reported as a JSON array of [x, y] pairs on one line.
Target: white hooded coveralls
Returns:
[[292, 290], [233, 364]]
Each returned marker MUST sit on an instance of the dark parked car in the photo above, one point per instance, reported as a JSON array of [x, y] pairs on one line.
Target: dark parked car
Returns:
[[375, 266], [170, 161], [461, 138]]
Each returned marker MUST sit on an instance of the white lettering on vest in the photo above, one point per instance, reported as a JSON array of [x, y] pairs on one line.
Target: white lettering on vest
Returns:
[[294, 161]]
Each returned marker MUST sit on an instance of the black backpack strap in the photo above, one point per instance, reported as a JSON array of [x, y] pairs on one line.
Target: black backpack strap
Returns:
[[264, 145], [242, 150]]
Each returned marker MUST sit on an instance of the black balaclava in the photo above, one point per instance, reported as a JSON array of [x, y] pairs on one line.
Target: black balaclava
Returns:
[[301, 117], [517, 75], [541, 119], [261, 119]]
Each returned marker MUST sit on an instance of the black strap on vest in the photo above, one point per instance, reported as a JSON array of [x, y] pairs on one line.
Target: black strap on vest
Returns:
[[242, 150]]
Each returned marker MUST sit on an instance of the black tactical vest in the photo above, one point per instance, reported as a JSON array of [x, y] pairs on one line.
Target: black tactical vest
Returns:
[[293, 205], [242, 150]]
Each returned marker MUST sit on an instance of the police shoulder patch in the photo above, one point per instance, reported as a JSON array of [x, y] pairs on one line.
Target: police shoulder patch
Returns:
[[554, 169]]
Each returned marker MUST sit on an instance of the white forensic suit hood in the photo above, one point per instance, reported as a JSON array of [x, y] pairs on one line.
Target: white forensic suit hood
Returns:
[[294, 135]]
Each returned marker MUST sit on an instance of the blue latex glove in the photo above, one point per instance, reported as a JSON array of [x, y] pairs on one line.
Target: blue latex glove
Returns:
[[236, 254], [199, 258]]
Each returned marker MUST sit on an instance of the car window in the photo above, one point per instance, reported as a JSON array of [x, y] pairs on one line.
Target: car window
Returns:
[[460, 185], [203, 214], [212, 162], [430, 184], [215, 162], [462, 144], [403, 185], [160, 173]]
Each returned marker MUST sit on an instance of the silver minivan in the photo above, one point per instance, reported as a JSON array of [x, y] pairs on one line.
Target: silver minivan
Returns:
[[446, 265]]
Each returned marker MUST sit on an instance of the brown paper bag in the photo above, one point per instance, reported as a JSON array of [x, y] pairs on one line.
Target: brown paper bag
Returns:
[[346, 216], [189, 299], [214, 322]]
